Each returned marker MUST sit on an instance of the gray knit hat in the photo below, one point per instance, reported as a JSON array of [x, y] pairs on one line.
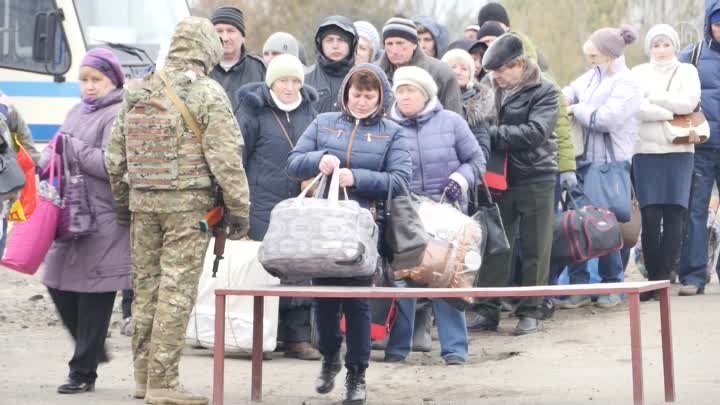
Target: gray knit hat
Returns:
[[398, 27], [281, 42], [231, 16], [612, 41]]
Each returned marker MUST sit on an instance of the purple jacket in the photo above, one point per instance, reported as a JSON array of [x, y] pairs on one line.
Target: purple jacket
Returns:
[[442, 147], [100, 262]]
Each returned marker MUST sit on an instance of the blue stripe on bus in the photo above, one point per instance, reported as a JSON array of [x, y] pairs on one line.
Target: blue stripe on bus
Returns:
[[43, 132], [40, 89]]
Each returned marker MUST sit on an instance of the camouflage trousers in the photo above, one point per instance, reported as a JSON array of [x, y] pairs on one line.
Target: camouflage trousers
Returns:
[[168, 253]]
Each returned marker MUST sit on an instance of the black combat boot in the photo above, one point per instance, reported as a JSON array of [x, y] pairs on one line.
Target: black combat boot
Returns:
[[355, 388], [330, 368]]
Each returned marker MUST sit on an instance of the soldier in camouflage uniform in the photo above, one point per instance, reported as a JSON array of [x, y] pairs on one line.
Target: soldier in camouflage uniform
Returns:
[[161, 170]]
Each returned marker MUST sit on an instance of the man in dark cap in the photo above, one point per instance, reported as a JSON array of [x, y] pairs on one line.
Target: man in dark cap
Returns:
[[335, 42], [525, 138], [494, 12], [400, 37], [237, 67]]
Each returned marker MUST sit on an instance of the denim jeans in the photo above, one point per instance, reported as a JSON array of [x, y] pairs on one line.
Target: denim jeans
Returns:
[[3, 240], [328, 312], [694, 259], [451, 325], [610, 269]]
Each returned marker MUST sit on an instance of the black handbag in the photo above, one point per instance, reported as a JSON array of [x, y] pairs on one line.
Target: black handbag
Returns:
[[405, 235], [487, 214]]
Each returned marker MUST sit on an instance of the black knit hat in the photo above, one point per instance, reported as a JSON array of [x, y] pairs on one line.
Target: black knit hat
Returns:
[[490, 29], [231, 16], [493, 12], [505, 49]]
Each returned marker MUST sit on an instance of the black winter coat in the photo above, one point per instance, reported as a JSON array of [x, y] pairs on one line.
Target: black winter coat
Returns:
[[249, 69], [526, 128], [326, 76], [267, 148]]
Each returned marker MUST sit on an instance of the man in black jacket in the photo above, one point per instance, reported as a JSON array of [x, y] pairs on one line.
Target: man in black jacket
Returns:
[[335, 42], [400, 38], [237, 67], [527, 108]]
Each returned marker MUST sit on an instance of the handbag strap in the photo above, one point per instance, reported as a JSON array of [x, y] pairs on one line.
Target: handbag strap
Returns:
[[478, 176], [390, 194], [672, 77], [181, 106], [284, 131], [607, 141]]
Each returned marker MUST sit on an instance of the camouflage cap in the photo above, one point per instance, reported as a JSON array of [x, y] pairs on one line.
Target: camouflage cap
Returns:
[[195, 40]]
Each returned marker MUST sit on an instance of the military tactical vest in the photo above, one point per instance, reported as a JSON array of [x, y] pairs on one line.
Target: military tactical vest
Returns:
[[163, 152]]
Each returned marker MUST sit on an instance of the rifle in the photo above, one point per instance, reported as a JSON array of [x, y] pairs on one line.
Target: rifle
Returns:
[[215, 221]]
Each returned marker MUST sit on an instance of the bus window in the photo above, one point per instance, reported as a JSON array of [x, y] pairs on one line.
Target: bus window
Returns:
[[17, 25]]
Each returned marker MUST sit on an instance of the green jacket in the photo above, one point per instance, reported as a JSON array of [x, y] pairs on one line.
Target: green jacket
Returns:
[[566, 152]]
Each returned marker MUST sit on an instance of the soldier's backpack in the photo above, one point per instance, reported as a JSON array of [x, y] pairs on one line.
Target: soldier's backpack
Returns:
[[161, 153]]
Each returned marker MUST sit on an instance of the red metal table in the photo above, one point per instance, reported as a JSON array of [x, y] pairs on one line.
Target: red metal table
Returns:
[[632, 289]]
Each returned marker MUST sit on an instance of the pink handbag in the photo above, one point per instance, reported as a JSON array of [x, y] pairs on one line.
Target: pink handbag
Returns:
[[30, 241]]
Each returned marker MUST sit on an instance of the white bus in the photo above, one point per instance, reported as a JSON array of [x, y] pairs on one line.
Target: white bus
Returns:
[[42, 43]]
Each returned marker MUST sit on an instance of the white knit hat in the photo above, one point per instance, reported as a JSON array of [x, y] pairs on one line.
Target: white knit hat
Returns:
[[462, 56], [662, 30], [415, 76], [284, 65], [368, 31]]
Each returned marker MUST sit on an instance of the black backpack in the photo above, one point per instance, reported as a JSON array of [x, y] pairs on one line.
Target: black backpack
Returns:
[[581, 234]]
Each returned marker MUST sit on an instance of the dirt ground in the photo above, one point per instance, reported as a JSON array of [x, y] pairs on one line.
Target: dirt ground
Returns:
[[582, 357]]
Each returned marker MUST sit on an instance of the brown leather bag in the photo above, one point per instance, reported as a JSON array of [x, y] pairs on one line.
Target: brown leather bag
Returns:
[[696, 124], [689, 128]]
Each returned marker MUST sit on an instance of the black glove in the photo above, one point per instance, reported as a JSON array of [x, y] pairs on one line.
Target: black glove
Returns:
[[238, 227], [123, 216]]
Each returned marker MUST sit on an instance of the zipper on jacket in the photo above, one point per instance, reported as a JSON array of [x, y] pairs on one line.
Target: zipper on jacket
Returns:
[[287, 115], [420, 158], [350, 142]]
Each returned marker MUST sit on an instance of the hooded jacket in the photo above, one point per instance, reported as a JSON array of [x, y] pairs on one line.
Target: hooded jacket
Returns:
[[448, 88], [709, 77], [195, 49], [266, 148], [372, 148], [248, 69], [325, 75], [442, 148], [439, 33]]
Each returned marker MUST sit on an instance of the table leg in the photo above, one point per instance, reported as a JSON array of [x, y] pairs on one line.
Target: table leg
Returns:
[[636, 348], [257, 349], [219, 351], [667, 349]]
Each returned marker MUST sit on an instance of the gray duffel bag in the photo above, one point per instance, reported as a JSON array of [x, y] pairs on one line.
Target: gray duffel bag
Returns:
[[318, 237]]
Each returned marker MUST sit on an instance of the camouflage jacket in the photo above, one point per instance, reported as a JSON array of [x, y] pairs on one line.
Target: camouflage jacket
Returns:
[[194, 50]]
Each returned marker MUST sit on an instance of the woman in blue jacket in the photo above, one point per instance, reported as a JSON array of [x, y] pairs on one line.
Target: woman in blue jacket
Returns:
[[365, 148], [446, 157]]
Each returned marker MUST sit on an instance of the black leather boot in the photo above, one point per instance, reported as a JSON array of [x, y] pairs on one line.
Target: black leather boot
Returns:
[[75, 387], [331, 366], [355, 388]]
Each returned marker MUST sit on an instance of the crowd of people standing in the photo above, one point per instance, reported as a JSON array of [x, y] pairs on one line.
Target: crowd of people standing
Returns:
[[401, 103]]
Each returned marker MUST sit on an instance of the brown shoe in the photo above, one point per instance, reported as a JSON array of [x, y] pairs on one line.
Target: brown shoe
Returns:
[[302, 351], [173, 396]]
